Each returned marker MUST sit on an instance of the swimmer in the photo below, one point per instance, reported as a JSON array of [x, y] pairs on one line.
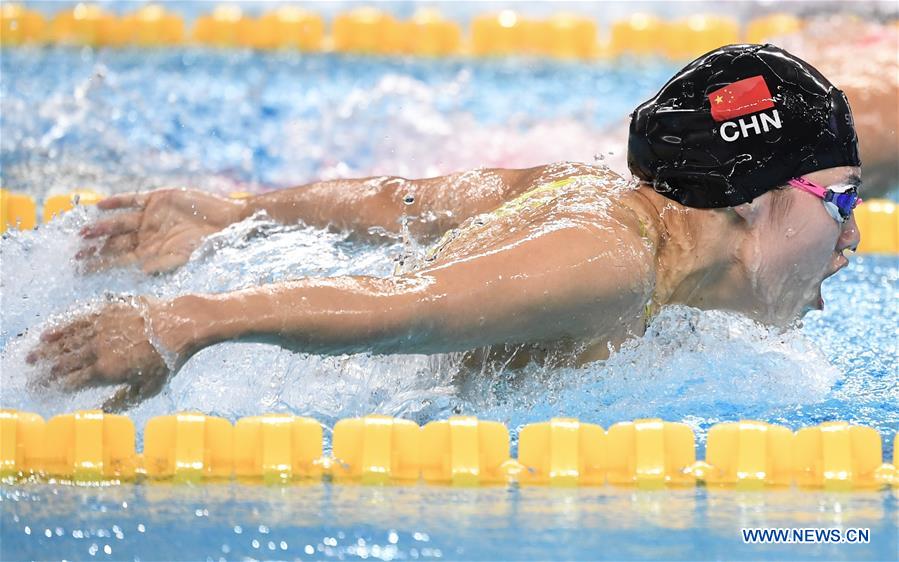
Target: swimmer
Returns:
[[747, 173]]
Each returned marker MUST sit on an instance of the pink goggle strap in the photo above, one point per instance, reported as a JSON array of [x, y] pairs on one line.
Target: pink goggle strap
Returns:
[[811, 187]]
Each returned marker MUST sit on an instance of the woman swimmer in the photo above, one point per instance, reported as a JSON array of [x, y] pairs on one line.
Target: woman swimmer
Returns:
[[748, 167]]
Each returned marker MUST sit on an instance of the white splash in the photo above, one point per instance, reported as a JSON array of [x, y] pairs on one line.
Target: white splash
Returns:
[[689, 362]]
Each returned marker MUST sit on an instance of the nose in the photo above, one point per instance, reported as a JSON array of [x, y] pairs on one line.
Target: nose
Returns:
[[849, 235]]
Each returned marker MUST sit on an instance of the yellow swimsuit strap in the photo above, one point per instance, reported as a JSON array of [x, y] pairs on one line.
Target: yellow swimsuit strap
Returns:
[[537, 196], [532, 198]]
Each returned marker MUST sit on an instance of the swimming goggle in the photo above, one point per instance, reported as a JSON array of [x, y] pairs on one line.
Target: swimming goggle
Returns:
[[839, 200]]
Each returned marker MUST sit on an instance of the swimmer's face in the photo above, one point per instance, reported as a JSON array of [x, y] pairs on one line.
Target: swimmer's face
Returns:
[[798, 246]]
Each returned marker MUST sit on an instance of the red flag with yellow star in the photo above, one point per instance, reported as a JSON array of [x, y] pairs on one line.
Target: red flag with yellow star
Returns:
[[740, 98]]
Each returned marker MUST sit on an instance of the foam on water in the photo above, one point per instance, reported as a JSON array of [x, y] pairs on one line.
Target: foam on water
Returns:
[[691, 365]]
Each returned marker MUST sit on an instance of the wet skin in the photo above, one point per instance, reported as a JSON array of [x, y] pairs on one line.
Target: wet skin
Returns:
[[566, 260]]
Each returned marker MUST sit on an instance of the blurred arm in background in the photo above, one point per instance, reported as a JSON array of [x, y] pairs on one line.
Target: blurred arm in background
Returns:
[[860, 58], [864, 63]]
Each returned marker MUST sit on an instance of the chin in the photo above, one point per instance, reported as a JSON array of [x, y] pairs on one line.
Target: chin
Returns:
[[786, 316], [807, 303]]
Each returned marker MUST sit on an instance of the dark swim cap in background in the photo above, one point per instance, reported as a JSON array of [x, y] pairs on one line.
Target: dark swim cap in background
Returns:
[[737, 122]]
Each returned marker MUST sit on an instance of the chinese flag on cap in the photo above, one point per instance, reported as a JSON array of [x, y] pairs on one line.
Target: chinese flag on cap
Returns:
[[740, 98]]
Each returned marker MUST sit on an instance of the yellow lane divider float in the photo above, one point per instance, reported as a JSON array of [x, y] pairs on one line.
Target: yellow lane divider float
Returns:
[[697, 34], [638, 34], [20, 26], [17, 211], [374, 31], [878, 224], [91, 446], [776, 25], [59, 204], [278, 447], [749, 455], [285, 27], [878, 219]]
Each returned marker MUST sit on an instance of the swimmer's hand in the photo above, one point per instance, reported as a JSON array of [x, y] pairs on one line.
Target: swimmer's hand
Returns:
[[158, 230], [108, 347]]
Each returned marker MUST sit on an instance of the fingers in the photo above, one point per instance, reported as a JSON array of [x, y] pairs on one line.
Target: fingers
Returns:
[[78, 379], [100, 263], [123, 239], [121, 224], [124, 200], [118, 245], [37, 354], [72, 328], [76, 360], [164, 263], [133, 394], [86, 253], [150, 386], [59, 341], [118, 251], [121, 400]]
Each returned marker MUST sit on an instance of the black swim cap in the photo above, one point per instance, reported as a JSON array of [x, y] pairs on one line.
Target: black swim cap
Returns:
[[737, 122]]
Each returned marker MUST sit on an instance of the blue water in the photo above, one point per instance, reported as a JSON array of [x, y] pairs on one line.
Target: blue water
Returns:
[[304, 522], [276, 119], [119, 121]]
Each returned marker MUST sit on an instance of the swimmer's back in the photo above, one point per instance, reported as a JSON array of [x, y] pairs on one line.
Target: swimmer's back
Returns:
[[558, 196], [583, 235]]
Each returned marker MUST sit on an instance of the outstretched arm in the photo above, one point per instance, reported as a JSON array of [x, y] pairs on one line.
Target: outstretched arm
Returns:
[[437, 204], [159, 230], [528, 292], [552, 286]]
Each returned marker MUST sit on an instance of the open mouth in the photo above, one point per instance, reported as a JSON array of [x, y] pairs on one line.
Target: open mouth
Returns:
[[839, 262]]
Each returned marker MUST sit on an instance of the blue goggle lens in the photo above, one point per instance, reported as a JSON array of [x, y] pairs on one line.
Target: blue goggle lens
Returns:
[[845, 201]]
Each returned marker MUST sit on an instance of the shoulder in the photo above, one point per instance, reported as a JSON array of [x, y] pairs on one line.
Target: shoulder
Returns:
[[563, 170], [526, 178]]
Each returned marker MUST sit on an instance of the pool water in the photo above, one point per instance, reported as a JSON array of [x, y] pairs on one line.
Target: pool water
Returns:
[[318, 521], [123, 120], [249, 120]]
